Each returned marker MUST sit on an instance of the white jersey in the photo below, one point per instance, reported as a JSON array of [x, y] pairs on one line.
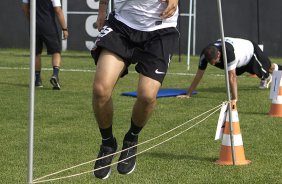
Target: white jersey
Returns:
[[243, 50], [55, 3], [143, 15]]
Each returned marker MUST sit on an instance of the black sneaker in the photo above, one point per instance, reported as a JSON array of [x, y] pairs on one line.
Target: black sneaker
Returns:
[[38, 83], [104, 172], [55, 82], [127, 159]]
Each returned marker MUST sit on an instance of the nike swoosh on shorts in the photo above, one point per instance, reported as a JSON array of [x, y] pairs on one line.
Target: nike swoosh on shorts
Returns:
[[158, 72]]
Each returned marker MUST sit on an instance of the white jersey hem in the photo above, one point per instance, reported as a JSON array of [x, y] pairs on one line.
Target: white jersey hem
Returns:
[[164, 24]]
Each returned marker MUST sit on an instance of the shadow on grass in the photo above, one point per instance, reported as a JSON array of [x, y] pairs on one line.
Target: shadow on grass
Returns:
[[25, 86], [172, 156], [48, 56], [253, 113], [213, 89], [13, 84]]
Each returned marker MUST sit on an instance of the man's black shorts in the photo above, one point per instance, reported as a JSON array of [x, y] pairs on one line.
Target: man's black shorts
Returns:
[[259, 64], [51, 41], [150, 51]]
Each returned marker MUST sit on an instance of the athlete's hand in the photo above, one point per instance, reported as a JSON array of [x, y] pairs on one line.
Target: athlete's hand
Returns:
[[65, 34], [100, 22], [170, 9]]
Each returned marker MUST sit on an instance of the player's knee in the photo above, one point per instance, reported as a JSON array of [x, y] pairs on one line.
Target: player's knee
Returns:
[[147, 100], [100, 92]]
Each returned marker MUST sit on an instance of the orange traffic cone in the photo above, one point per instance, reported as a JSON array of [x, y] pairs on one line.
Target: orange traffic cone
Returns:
[[252, 76], [276, 106], [226, 149]]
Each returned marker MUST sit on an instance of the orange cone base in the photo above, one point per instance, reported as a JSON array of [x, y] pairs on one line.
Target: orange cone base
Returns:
[[252, 75], [245, 162], [276, 110], [226, 156]]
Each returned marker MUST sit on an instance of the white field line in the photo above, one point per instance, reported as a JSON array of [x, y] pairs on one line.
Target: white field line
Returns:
[[91, 71]]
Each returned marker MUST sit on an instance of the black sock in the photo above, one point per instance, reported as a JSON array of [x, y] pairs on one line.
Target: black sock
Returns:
[[56, 70], [132, 134], [264, 77], [107, 136], [37, 74]]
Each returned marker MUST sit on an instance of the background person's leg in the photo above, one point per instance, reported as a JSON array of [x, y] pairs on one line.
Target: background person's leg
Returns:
[[38, 81], [56, 62]]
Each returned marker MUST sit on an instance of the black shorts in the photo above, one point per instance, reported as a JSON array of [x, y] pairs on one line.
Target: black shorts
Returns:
[[51, 41], [259, 64], [150, 51]]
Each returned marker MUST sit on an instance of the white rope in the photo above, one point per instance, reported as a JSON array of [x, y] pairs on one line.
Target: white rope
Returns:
[[215, 109]]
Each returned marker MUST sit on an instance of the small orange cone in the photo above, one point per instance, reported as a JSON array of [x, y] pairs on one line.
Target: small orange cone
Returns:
[[252, 76], [276, 106], [226, 149]]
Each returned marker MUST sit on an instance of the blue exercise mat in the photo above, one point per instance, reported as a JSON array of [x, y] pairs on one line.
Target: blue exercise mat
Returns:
[[169, 92]]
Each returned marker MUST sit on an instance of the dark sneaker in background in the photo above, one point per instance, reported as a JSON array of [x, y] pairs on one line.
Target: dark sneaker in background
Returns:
[[264, 84], [38, 83], [105, 172], [127, 159], [55, 82]]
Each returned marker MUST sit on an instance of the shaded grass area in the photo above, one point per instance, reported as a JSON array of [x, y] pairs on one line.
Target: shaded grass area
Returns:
[[66, 133]]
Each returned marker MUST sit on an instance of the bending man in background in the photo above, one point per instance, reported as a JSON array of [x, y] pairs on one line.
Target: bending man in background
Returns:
[[242, 56]]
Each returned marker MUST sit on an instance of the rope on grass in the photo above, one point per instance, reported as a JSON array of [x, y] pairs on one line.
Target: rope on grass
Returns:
[[213, 110]]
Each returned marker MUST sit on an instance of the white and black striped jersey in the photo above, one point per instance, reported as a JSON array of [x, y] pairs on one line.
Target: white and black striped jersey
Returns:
[[239, 52]]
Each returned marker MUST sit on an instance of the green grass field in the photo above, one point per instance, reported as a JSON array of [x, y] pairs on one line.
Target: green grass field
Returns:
[[66, 133]]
